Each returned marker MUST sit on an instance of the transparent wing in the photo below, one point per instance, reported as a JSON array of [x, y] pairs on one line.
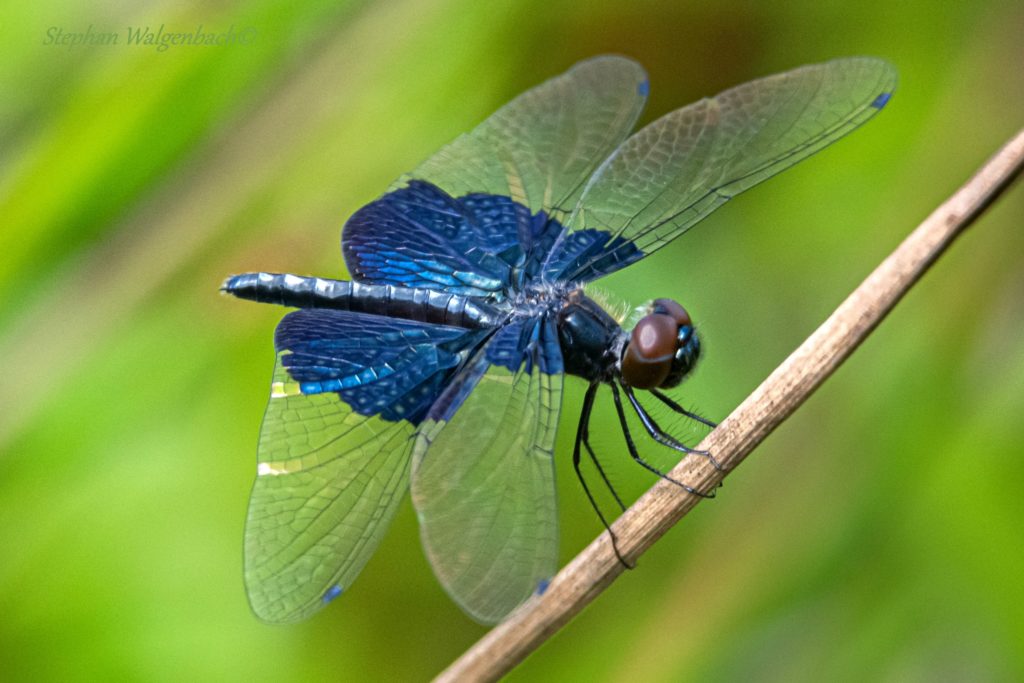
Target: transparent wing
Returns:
[[677, 170], [542, 147], [483, 475], [329, 481], [347, 396], [480, 208]]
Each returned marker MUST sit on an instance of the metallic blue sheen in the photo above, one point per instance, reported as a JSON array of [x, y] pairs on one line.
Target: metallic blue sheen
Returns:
[[476, 245], [581, 246], [232, 282], [526, 343], [419, 236], [377, 365]]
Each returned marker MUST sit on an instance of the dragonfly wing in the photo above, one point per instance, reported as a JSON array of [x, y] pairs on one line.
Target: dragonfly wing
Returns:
[[348, 393], [674, 172], [483, 473], [420, 236], [482, 205], [541, 148]]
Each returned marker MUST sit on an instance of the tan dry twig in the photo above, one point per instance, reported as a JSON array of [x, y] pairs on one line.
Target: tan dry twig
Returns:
[[790, 385]]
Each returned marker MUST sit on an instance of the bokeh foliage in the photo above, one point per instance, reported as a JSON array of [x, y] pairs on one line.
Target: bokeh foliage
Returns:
[[878, 534]]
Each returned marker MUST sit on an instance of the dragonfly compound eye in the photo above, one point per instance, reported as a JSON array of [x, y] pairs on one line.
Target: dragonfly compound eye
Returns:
[[674, 309], [648, 358]]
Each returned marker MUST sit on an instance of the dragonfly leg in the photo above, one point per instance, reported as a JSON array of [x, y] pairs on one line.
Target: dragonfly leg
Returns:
[[681, 410], [581, 436], [636, 454], [597, 464], [658, 434]]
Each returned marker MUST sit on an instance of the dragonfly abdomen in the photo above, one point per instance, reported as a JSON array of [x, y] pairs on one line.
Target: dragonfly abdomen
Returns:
[[409, 303]]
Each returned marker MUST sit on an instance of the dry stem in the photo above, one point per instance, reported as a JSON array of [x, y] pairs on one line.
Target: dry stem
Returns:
[[771, 403]]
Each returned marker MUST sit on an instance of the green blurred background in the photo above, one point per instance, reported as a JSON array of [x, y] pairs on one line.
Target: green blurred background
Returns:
[[877, 535]]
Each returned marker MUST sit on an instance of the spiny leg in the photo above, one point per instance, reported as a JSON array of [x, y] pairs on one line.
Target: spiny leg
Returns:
[[581, 432], [658, 434], [636, 454], [681, 410], [597, 464]]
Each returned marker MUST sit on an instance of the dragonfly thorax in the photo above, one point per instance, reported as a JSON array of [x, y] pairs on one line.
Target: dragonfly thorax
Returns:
[[591, 339], [658, 353]]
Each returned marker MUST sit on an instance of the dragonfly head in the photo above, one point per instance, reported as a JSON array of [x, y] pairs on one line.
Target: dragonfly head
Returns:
[[662, 348]]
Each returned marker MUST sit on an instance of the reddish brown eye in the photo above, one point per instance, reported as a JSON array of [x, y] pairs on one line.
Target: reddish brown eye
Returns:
[[648, 357], [673, 309]]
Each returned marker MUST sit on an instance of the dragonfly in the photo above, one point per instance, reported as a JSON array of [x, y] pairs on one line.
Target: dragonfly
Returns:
[[439, 367]]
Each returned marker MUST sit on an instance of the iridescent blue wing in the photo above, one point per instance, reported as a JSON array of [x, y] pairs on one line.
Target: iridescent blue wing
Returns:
[[483, 473], [420, 236], [348, 393], [480, 215], [686, 164]]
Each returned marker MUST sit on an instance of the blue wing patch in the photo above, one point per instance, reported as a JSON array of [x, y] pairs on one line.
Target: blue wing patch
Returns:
[[526, 342], [419, 236], [588, 254], [519, 345], [377, 365]]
